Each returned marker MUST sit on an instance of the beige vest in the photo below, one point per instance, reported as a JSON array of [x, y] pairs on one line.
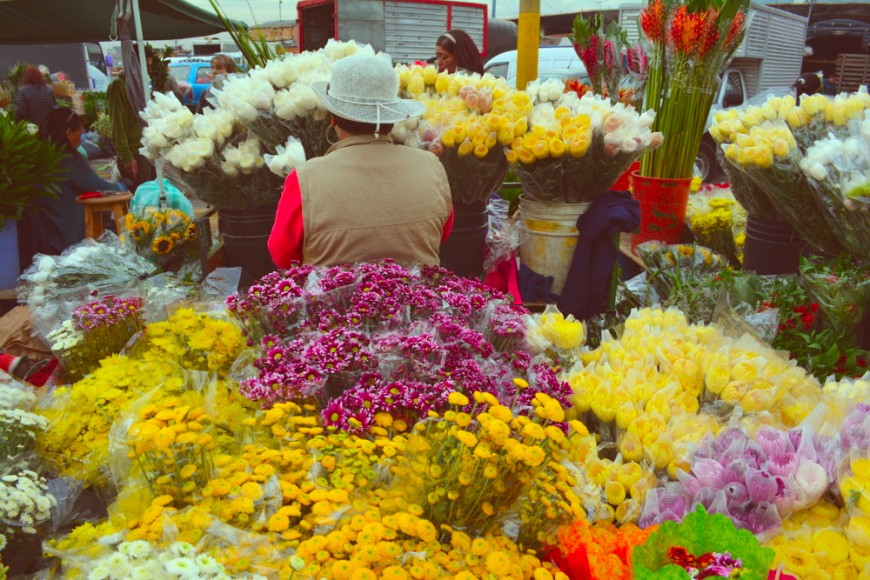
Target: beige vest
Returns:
[[368, 199]]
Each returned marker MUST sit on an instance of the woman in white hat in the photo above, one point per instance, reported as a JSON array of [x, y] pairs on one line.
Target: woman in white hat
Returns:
[[367, 198]]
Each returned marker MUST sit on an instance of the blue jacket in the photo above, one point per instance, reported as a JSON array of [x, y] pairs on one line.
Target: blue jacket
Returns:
[[55, 224]]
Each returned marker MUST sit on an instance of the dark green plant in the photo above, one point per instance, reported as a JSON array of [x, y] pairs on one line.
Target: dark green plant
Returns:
[[29, 167], [94, 104]]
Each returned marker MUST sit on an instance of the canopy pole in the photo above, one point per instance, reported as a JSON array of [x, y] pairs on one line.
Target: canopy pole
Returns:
[[146, 88], [528, 39]]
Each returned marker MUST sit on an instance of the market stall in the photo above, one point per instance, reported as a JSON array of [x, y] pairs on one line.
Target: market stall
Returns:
[[397, 421]]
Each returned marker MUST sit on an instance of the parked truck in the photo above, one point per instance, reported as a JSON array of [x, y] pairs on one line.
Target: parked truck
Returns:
[[405, 29], [769, 59], [84, 62]]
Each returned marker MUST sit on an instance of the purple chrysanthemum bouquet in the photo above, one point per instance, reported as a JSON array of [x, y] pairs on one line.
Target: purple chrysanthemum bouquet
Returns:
[[96, 330], [754, 481], [381, 337]]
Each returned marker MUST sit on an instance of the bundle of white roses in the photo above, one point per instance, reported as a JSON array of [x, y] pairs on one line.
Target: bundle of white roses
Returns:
[[838, 168]]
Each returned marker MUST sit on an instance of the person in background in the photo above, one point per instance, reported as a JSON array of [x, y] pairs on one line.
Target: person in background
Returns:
[[34, 99], [221, 66], [456, 52], [127, 132], [367, 198], [830, 84], [57, 223]]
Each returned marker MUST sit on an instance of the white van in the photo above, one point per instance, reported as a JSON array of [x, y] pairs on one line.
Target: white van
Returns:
[[554, 62]]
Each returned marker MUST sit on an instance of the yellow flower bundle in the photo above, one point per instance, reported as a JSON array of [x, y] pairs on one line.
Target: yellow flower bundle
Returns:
[[815, 544], [645, 389], [468, 122], [194, 340]]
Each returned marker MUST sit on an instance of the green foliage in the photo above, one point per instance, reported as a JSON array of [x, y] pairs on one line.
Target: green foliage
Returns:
[[29, 167], [256, 52], [94, 103], [700, 533]]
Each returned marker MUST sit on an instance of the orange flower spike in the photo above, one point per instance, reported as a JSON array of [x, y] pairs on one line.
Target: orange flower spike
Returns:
[[736, 29], [652, 21], [710, 36]]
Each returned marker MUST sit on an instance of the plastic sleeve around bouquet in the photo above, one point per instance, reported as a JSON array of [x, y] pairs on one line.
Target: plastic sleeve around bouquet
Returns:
[[210, 184], [749, 195], [473, 179], [53, 285], [503, 236], [789, 190], [842, 289], [542, 180], [273, 130], [851, 225], [587, 177]]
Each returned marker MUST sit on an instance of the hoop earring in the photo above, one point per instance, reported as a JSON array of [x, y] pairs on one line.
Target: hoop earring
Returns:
[[337, 138]]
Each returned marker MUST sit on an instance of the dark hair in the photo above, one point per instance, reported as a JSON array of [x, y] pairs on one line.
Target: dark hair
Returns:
[[358, 128], [32, 76], [56, 124], [463, 50]]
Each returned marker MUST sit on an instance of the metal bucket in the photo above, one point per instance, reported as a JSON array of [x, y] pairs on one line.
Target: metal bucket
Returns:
[[549, 237]]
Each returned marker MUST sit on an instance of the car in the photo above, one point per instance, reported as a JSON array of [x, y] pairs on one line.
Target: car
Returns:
[[554, 62], [193, 75]]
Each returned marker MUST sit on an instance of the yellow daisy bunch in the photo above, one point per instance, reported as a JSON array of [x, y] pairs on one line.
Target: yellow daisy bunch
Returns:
[[404, 545], [172, 443], [81, 415], [194, 340], [82, 544], [571, 135], [855, 491], [469, 468]]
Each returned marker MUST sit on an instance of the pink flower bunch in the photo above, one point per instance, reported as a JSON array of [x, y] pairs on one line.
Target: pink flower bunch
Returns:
[[753, 482], [637, 60], [107, 311], [380, 337], [855, 432]]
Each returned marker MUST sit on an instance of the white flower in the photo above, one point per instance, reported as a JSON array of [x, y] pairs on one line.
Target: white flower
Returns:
[[182, 567], [136, 549], [183, 549], [32, 129]]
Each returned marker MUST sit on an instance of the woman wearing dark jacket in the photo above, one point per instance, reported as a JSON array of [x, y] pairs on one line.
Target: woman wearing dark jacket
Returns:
[[34, 100], [57, 223]]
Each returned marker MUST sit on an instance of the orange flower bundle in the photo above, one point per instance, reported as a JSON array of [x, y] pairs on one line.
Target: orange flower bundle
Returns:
[[598, 552]]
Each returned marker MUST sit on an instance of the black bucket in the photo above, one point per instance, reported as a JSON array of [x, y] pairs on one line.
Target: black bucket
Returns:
[[773, 247], [463, 251], [245, 233]]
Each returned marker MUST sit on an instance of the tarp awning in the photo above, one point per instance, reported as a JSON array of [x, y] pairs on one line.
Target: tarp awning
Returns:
[[51, 21]]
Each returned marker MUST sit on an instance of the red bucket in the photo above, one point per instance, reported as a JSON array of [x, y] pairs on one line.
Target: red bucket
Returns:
[[662, 208], [624, 181]]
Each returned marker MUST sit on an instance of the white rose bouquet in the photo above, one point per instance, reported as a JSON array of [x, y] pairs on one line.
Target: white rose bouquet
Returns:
[[838, 168]]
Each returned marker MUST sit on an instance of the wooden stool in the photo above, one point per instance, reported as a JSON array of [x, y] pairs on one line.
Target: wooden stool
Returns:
[[117, 204]]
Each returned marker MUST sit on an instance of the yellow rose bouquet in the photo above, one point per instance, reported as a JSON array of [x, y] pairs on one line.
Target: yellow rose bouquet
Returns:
[[770, 147], [468, 122], [718, 221], [576, 148], [768, 154]]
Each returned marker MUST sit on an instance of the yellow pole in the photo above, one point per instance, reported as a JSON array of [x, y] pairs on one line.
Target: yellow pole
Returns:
[[528, 39]]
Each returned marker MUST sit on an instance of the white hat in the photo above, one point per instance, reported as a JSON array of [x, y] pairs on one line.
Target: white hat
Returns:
[[365, 89]]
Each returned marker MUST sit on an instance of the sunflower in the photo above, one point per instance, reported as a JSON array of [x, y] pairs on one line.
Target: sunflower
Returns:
[[162, 245], [191, 233]]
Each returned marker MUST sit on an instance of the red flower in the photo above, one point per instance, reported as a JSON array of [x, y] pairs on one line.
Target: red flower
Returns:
[[652, 20]]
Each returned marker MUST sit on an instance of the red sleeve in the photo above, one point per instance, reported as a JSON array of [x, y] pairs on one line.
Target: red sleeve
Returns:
[[285, 241], [448, 226]]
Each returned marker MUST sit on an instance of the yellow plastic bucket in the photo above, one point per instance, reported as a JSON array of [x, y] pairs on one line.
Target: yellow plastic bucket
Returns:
[[549, 237]]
